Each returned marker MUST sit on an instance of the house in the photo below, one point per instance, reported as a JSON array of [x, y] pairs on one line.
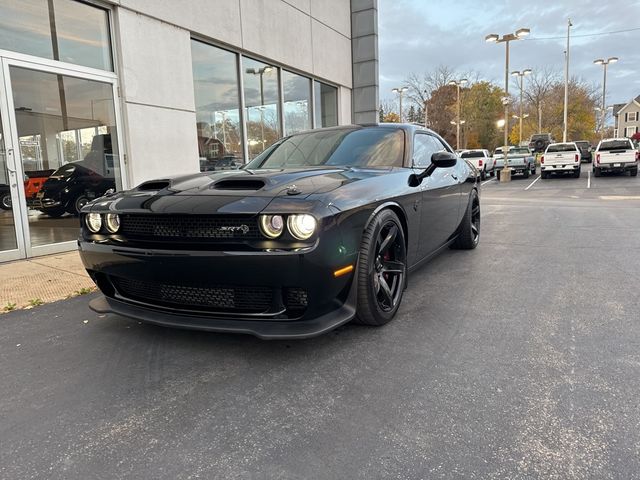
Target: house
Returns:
[[627, 118]]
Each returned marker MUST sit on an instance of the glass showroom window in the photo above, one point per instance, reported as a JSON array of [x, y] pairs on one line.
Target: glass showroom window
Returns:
[[297, 103], [326, 105], [215, 82], [262, 105], [80, 34]]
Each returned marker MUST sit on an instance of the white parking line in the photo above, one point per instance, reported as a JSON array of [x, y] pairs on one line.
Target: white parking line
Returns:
[[588, 178], [531, 184], [490, 180]]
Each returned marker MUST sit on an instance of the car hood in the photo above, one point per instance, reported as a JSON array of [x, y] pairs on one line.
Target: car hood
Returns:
[[232, 191]]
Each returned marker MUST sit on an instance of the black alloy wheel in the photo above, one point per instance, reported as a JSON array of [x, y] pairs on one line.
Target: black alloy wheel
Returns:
[[382, 270], [80, 202], [5, 201]]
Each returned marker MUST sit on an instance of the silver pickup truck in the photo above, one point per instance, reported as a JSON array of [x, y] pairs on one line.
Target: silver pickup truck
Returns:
[[616, 155], [519, 159]]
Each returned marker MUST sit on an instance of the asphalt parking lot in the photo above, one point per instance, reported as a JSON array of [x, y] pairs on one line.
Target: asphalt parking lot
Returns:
[[520, 359]]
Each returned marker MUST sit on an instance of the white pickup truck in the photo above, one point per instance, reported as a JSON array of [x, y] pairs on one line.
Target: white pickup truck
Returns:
[[616, 155], [481, 159], [560, 158]]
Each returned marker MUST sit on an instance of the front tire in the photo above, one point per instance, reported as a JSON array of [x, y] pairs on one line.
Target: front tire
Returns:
[[382, 270], [5, 201], [469, 230]]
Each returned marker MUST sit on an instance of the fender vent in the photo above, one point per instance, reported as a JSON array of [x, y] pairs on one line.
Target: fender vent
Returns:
[[153, 185], [239, 184]]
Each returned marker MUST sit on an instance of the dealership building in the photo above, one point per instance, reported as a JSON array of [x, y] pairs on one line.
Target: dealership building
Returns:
[[97, 95]]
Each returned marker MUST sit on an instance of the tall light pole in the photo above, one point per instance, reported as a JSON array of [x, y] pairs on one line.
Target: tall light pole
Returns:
[[400, 91], [566, 83], [604, 63], [458, 83], [521, 75], [505, 174]]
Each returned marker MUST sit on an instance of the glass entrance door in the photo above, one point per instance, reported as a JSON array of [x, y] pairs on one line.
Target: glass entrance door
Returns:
[[8, 188], [59, 150], [67, 154]]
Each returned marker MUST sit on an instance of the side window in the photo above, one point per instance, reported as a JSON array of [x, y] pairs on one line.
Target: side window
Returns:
[[424, 146]]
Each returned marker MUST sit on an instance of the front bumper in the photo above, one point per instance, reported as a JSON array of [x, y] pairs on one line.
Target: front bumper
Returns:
[[43, 203], [184, 275]]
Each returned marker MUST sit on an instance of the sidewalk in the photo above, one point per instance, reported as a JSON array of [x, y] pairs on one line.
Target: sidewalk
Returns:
[[45, 279]]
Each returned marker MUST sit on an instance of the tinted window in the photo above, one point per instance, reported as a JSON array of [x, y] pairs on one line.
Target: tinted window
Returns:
[[472, 154], [615, 145], [366, 147], [562, 147], [424, 147]]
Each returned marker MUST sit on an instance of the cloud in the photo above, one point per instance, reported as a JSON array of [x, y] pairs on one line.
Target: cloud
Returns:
[[416, 36]]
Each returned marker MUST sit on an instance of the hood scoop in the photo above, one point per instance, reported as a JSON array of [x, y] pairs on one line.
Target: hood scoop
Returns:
[[153, 185], [239, 184]]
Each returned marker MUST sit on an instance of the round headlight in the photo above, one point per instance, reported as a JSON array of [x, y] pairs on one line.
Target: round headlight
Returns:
[[112, 222], [271, 225], [302, 226], [94, 222]]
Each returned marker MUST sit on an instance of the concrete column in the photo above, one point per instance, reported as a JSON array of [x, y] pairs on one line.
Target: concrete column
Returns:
[[364, 47]]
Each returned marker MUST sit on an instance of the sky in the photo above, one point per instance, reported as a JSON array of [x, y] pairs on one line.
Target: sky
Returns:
[[417, 36]]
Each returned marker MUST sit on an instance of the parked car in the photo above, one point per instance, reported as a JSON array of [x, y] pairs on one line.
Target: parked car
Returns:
[[75, 184], [616, 155], [5, 197], [34, 181], [539, 142], [482, 160], [560, 158], [321, 228], [520, 159], [585, 150]]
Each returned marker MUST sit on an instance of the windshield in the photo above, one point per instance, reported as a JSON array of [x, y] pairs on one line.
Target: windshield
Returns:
[[362, 147], [472, 154], [582, 144], [65, 171], [615, 145], [520, 151], [562, 147]]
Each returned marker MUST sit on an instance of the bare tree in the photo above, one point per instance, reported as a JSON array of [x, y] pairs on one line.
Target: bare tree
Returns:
[[537, 89]]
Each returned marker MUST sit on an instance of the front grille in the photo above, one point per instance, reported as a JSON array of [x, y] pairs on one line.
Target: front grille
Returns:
[[189, 228], [296, 298], [214, 298], [220, 298]]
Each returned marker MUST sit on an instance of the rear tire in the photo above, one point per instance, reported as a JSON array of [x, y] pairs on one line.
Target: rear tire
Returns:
[[469, 229], [634, 172], [576, 174], [382, 270], [493, 172], [597, 172], [483, 175], [544, 175]]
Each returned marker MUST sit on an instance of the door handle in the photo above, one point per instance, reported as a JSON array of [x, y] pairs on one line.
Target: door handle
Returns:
[[10, 152], [454, 177]]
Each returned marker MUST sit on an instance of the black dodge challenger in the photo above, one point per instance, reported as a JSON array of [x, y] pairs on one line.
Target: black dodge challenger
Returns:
[[320, 229]]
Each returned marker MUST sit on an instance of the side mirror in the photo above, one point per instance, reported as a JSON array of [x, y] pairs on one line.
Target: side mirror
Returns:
[[438, 160], [444, 159]]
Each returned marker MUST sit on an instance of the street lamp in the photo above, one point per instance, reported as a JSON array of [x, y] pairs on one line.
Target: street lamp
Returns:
[[400, 91], [521, 75], [457, 123], [505, 174], [261, 72], [604, 63]]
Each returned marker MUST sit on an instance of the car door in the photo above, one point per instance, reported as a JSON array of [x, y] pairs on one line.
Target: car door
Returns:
[[440, 195]]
